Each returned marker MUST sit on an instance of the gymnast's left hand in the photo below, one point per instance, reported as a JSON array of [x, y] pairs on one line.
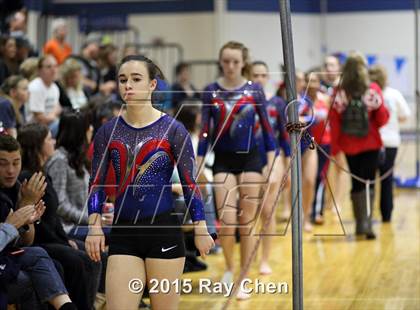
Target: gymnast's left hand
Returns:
[[95, 240], [203, 241]]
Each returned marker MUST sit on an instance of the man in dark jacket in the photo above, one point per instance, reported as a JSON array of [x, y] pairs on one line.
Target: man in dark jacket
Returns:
[[20, 207]]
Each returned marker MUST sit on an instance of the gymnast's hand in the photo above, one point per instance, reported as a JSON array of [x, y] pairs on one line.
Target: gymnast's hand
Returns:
[[203, 241], [95, 240]]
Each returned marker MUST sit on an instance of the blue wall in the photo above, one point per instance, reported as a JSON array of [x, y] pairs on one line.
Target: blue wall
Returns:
[[107, 8], [187, 6], [301, 6], [313, 6]]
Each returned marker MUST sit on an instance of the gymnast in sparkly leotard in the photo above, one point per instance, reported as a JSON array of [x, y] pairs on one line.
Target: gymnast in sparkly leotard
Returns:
[[276, 116], [144, 159], [230, 106], [143, 145]]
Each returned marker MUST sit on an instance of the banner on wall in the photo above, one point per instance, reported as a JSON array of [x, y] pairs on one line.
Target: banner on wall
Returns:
[[396, 67], [93, 22]]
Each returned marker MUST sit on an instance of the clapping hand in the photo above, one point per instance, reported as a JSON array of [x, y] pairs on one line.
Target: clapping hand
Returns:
[[32, 191], [38, 212]]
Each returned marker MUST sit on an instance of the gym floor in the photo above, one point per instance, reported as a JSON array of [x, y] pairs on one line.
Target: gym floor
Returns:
[[339, 272]]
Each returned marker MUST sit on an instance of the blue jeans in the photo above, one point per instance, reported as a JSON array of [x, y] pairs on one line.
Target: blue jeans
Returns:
[[38, 275]]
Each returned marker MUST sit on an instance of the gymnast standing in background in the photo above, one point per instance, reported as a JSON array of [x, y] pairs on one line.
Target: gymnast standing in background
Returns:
[[275, 113], [229, 109]]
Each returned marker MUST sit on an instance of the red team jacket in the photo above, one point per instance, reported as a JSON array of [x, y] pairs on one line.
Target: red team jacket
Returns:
[[378, 116]]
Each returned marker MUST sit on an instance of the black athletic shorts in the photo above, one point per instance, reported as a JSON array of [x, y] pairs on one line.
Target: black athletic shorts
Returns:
[[162, 238], [236, 163]]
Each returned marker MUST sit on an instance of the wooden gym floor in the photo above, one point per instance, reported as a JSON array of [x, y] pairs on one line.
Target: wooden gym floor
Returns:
[[339, 272]]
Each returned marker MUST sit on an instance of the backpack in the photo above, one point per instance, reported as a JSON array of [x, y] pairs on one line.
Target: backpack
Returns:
[[355, 119]]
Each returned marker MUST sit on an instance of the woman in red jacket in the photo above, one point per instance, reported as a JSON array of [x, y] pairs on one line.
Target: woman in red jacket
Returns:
[[358, 113]]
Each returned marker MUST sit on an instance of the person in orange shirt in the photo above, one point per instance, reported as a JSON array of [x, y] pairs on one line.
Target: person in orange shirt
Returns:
[[57, 45]]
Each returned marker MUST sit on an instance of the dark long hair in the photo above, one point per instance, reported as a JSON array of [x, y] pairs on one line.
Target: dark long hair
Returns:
[[72, 137], [153, 70], [31, 138], [154, 73]]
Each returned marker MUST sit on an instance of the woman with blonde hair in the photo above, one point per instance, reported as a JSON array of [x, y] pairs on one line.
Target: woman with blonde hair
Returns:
[[357, 114], [29, 68], [71, 87]]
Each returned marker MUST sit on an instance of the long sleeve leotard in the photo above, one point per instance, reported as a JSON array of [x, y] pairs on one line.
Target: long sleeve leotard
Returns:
[[143, 160], [228, 119], [275, 112]]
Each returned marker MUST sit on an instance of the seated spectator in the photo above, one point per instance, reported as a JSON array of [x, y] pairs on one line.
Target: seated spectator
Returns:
[[57, 46], [23, 49], [16, 23], [8, 60], [16, 225], [13, 95], [44, 106], [107, 63], [68, 168], [88, 60], [81, 275], [29, 68], [182, 89], [72, 94], [17, 29]]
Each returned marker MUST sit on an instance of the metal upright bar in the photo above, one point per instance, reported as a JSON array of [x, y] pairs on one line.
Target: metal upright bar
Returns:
[[290, 76], [416, 80]]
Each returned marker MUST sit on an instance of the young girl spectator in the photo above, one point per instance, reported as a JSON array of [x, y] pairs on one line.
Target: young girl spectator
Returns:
[[8, 60], [68, 168]]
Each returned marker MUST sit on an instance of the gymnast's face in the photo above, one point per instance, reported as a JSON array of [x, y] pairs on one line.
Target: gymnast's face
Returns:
[[134, 83], [259, 74], [232, 63]]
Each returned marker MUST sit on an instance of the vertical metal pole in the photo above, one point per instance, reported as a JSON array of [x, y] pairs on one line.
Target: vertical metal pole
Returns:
[[416, 81], [290, 76]]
